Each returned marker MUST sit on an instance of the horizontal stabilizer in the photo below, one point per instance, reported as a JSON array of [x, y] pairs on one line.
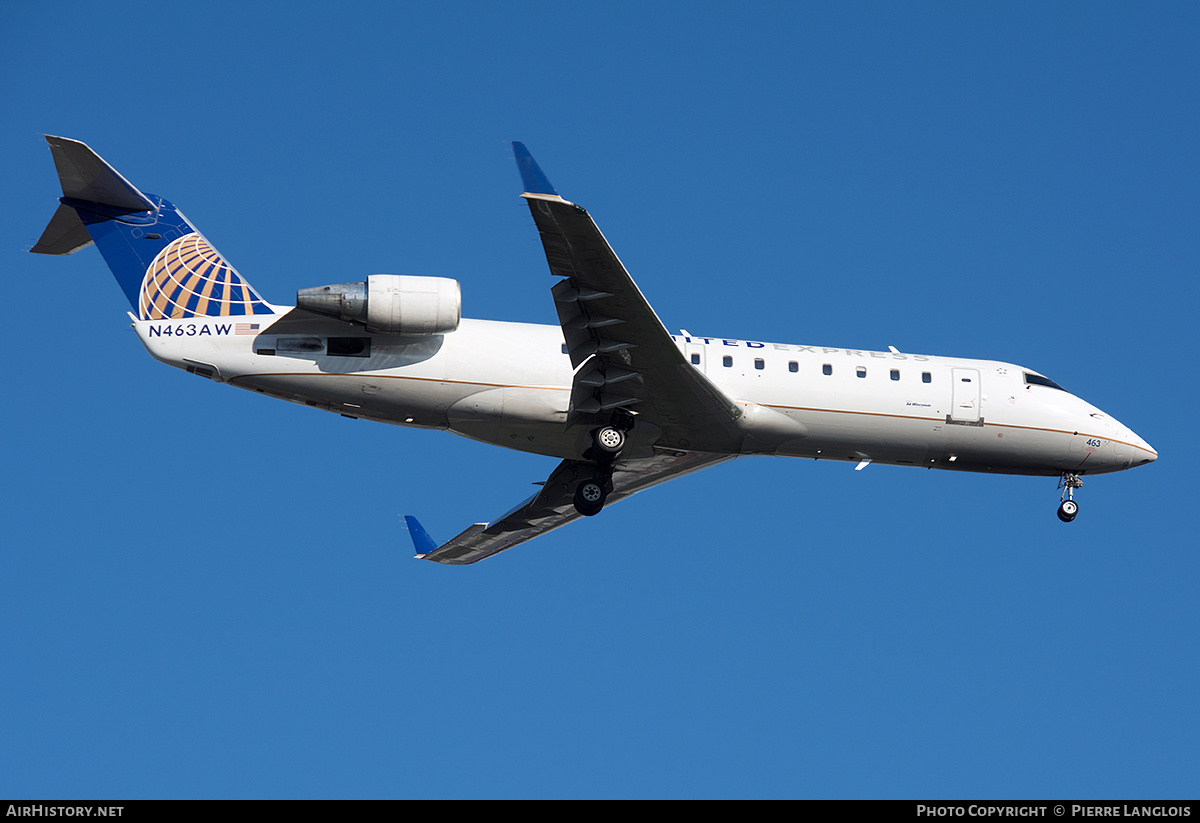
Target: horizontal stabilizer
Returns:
[[85, 176], [65, 234]]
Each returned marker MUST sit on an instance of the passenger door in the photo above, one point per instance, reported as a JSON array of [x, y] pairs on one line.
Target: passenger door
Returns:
[[964, 403]]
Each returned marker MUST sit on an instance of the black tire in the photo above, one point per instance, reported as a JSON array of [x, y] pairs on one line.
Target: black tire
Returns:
[[589, 497], [1068, 510], [608, 441]]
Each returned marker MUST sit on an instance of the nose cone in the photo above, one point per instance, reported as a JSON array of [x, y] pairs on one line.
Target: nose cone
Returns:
[[1115, 446], [1143, 454], [1130, 447]]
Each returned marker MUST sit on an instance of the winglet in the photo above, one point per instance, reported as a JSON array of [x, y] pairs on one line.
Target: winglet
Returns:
[[422, 542], [532, 177]]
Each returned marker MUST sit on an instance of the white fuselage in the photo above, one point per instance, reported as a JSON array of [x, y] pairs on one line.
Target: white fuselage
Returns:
[[510, 384]]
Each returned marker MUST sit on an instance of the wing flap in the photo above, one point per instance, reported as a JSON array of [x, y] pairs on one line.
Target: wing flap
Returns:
[[553, 506], [625, 361], [609, 325]]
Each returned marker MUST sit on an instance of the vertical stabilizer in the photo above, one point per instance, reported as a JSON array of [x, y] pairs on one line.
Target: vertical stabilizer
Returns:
[[165, 267]]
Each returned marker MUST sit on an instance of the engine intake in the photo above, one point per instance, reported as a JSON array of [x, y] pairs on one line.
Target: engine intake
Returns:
[[390, 303]]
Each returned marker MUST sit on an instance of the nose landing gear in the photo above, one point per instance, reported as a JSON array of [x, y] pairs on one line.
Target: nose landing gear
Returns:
[[1068, 508]]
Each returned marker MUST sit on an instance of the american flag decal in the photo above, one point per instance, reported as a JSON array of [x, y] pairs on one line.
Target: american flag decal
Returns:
[[245, 328]]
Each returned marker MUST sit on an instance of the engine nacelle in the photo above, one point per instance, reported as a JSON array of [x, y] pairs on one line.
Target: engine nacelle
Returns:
[[391, 303]]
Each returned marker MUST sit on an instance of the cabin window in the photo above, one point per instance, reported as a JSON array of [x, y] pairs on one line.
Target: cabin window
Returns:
[[895, 374], [564, 349], [349, 347], [759, 363], [926, 377], [695, 358], [1038, 380], [861, 371], [827, 368], [727, 361], [793, 366]]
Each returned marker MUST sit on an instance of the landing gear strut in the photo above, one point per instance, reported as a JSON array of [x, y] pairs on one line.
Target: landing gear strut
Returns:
[[1068, 508], [607, 444]]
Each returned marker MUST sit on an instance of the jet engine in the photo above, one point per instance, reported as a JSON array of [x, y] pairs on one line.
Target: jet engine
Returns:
[[390, 303]]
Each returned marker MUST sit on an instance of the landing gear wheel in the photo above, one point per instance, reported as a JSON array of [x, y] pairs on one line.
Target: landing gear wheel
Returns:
[[608, 441], [589, 497], [1068, 510], [1069, 482]]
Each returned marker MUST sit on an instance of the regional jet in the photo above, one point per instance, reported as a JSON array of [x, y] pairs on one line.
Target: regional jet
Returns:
[[620, 400]]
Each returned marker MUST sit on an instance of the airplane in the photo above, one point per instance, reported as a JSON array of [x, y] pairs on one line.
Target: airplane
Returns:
[[621, 401]]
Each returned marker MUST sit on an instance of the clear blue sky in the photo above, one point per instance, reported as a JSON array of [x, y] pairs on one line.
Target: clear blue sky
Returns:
[[207, 593]]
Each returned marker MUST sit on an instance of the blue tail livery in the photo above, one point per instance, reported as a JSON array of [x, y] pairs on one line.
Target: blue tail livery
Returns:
[[166, 268]]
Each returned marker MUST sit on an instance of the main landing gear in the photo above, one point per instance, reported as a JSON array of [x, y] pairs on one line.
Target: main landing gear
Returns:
[[591, 494], [607, 444], [1068, 508]]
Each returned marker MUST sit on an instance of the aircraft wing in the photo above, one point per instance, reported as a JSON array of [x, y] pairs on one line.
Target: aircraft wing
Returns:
[[624, 356], [554, 506]]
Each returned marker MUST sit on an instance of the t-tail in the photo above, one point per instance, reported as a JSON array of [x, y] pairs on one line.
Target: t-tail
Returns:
[[165, 267]]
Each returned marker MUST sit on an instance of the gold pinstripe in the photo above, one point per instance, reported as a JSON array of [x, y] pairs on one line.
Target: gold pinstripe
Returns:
[[744, 403]]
